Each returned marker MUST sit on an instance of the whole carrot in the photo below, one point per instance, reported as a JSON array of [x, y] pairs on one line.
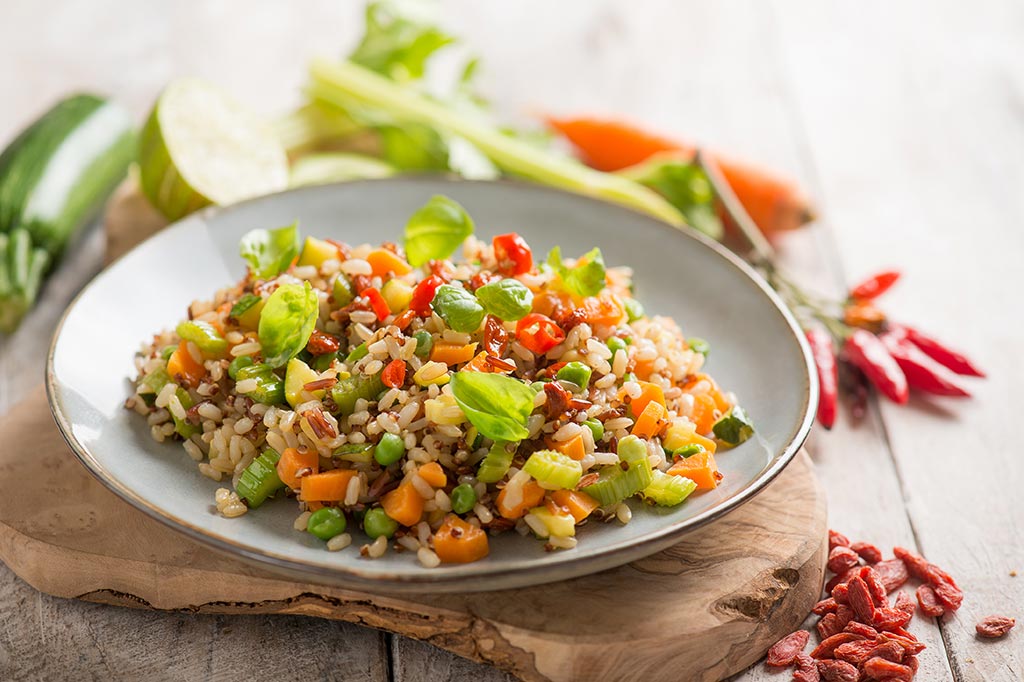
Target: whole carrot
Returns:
[[774, 203]]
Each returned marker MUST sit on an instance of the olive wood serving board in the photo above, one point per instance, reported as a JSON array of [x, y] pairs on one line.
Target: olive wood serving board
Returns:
[[702, 610]]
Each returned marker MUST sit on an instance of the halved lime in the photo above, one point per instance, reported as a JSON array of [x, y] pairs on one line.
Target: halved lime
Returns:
[[319, 169], [200, 147]]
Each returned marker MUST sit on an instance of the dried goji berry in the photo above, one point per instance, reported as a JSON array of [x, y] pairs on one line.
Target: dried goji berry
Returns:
[[784, 651], [321, 343], [950, 596], [890, 651], [994, 626], [842, 559], [861, 629], [845, 614], [878, 668], [829, 625], [905, 604], [910, 645], [892, 572], [867, 552], [837, 671], [854, 652], [912, 663], [806, 669], [860, 600], [828, 646], [824, 606], [916, 564], [840, 593], [840, 579], [837, 539], [879, 595], [929, 602], [889, 619]]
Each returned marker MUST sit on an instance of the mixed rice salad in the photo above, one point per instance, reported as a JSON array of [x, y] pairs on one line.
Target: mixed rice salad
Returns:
[[434, 402]]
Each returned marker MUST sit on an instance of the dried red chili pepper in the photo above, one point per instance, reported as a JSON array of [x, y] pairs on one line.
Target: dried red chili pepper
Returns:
[[539, 333], [921, 371], [869, 354], [939, 352], [495, 337], [828, 375], [874, 286]]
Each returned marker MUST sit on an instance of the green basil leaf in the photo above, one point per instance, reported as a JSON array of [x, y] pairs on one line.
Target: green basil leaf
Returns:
[[458, 308], [497, 405], [586, 278], [508, 299], [270, 252], [287, 321], [436, 230]]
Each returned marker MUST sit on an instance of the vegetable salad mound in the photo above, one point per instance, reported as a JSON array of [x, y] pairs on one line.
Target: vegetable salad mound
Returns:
[[432, 403]]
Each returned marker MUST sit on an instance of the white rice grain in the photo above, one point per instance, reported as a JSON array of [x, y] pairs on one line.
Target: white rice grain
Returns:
[[428, 558], [567, 432], [246, 386], [339, 542], [377, 548], [356, 266], [250, 348], [302, 520]]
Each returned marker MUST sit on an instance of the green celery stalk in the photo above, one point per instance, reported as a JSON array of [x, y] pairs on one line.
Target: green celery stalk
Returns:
[[345, 83]]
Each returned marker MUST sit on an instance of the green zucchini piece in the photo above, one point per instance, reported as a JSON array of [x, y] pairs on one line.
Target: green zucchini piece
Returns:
[[346, 392]]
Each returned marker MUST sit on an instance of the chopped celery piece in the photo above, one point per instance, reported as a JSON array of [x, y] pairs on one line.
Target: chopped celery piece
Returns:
[[495, 465], [667, 490], [237, 364], [345, 84], [634, 309], [688, 450], [155, 381], [269, 387], [259, 480], [734, 428], [342, 291], [182, 427], [346, 392], [613, 484], [358, 453], [357, 354], [208, 339], [553, 470], [167, 352], [558, 525]]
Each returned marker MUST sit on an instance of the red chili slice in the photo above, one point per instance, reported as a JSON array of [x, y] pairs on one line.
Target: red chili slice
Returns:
[[539, 333], [377, 302], [423, 294], [393, 375], [513, 254]]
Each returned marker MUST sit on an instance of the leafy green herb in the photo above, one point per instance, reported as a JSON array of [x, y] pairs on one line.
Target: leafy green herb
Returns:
[[436, 230], [508, 299], [287, 322], [685, 186], [586, 278], [735, 427], [458, 308], [397, 46], [497, 405], [270, 252]]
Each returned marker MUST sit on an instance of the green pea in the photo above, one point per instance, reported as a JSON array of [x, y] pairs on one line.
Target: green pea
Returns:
[[575, 372], [424, 343], [596, 428], [538, 386], [389, 450], [238, 363], [377, 523], [463, 498], [326, 523], [699, 345], [634, 309], [615, 344]]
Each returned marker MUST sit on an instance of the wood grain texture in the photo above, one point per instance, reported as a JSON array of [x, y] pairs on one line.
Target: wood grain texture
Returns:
[[713, 603], [904, 121]]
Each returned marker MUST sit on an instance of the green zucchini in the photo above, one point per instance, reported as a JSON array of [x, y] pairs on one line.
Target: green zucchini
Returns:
[[53, 177]]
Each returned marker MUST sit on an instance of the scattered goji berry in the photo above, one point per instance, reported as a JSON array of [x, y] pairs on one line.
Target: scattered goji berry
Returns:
[[929, 602], [842, 559], [868, 552], [840, 579], [893, 574], [860, 600], [828, 645], [915, 564], [854, 652], [841, 593], [889, 619], [824, 606], [861, 629], [784, 652], [806, 669], [912, 663], [890, 651], [845, 614], [950, 596], [837, 671], [905, 604], [837, 539], [994, 626], [879, 595], [829, 625], [878, 668]]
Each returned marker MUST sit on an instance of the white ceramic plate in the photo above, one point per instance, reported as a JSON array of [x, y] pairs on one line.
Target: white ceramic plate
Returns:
[[757, 351]]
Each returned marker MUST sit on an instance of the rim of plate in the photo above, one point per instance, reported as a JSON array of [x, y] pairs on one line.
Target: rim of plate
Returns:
[[528, 575]]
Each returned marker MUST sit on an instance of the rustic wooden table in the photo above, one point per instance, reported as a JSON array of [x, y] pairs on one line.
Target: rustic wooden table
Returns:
[[905, 120]]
